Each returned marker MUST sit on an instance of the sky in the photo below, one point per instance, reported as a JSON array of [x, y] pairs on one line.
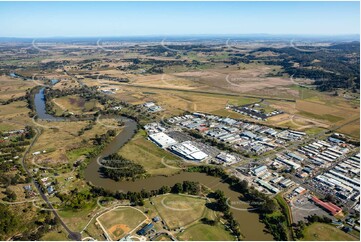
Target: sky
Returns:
[[97, 19]]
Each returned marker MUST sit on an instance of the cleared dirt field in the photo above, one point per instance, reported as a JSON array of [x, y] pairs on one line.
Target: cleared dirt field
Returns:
[[179, 210], [120, 221]]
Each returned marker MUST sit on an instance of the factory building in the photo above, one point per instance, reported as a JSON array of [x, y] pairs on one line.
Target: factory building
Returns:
[[162, 140], [188, 151]]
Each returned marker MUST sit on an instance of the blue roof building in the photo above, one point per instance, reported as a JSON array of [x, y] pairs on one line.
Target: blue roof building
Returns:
[[145, 229]]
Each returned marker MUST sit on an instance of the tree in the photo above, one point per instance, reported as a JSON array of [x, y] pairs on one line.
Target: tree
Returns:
[[8, 221], [177, 188], [164, 189], [11, 195]]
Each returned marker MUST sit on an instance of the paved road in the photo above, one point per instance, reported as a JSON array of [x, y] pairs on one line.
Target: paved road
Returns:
[[72, 235]]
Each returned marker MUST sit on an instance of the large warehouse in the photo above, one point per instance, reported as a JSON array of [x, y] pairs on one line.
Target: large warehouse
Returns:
[[188, 151], [162, 139]]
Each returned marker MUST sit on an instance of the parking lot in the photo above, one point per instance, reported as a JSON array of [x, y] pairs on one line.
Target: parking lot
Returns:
[[302, 207]]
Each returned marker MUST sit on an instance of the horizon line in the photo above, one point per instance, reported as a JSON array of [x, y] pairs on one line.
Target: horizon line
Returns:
[[182, 35]]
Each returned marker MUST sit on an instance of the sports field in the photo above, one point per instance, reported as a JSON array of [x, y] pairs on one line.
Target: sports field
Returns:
[[204, 232], [179, 210], [325, 232], [121, 221]]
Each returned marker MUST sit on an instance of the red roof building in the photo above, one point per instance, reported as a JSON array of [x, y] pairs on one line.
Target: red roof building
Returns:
[[330, 207]]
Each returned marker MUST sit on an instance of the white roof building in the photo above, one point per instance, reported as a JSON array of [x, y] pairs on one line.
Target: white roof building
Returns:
[[188, 151], [226, 157], [149, 104], [162, 139]]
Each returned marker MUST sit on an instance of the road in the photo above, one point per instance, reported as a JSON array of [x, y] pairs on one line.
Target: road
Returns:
[[71, 234]]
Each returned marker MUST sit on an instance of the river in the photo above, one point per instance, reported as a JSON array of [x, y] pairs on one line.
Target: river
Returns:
[[39, 101], [249, 222]]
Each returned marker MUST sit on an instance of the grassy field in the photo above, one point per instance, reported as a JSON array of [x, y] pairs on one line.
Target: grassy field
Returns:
[[121, 221], [69, 144], [352, 129], [314, 109], [73, 155], [93, 230], [315, 130], [14, 109], [163, 237], [179, 210], [77, 219], [13, 87], [149, 155], [325, 232], [56, 235], [204, 232], [7, 125], [76, 104]]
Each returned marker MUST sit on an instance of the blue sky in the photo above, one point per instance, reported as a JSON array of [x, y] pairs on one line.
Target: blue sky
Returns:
[[76, 19]]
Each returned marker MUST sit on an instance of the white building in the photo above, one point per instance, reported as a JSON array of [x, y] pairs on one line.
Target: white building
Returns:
[[162, 139], [188, 151]]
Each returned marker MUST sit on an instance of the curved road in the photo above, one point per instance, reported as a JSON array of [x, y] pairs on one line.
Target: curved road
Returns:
[[72, 235]]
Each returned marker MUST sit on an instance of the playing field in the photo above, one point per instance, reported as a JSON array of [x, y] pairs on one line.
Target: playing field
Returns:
[[179, 210], [326, 232], [121, 221], [204, 232]]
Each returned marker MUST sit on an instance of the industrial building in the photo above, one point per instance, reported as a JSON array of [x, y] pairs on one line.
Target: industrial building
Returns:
[[289, 163], [188, 151], [162, 140], [330, 207], [267, 186], [259, 170], [226, 158]]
